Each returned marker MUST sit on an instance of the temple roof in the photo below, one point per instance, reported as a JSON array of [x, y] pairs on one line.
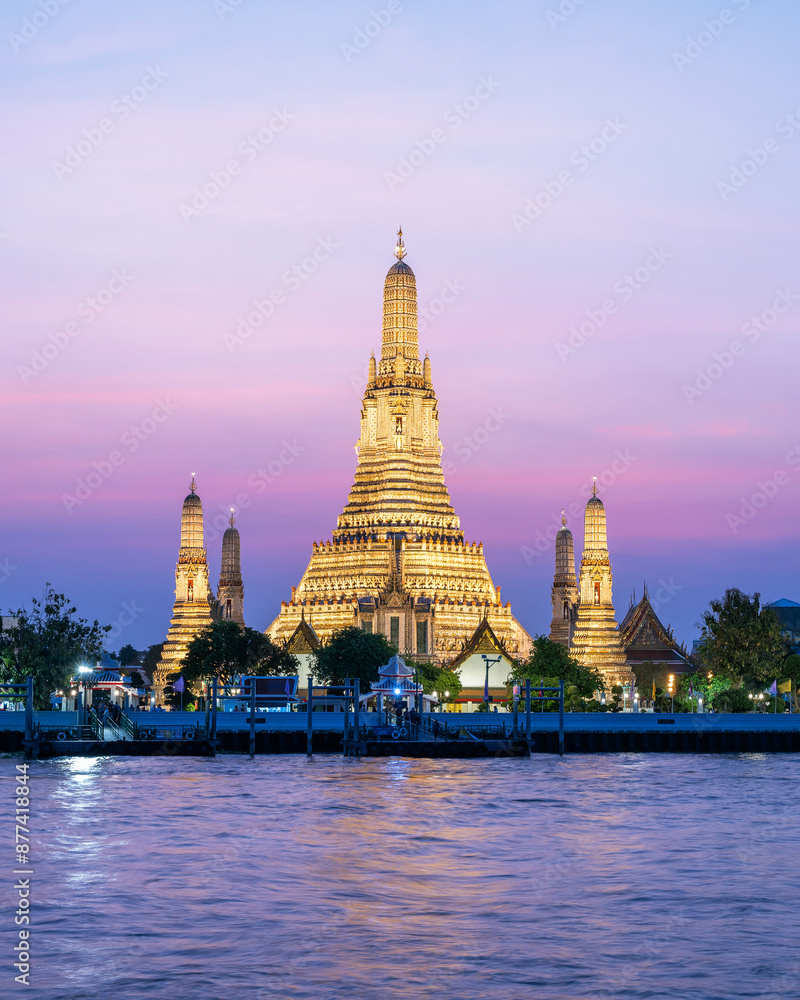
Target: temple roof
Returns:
[[396, 667], [642, 633], [483, 640], [304, 639]]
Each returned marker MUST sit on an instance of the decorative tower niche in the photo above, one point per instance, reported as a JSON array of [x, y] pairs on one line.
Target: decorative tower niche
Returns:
[[596, 639], [565, 587]]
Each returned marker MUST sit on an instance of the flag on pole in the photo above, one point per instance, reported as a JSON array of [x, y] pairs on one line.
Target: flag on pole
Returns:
[[179, 684], [773, 688], [654, 689]]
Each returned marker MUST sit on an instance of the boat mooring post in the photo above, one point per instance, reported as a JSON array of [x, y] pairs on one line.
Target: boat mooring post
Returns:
[[347, 690], [561, 717], [310, 717], [213, 734], [29, 707], [356, 696], [528, 712], [207, 688], [252, 716]]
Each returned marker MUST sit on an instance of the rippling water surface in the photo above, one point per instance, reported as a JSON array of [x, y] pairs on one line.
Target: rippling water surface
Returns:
[[641, 876]]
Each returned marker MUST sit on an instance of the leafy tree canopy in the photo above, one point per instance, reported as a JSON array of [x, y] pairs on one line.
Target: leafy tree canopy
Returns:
[[128, 656], [552, 660], [352, 652], [226, 649], [438, 679], [151, 658], [741, 638], [49, 642]]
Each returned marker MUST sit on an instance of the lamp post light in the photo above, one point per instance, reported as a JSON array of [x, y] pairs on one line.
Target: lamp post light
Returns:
[[671, 689], [82, 670]]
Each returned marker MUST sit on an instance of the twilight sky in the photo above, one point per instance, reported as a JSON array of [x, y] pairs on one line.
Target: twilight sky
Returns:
[[608, 199]]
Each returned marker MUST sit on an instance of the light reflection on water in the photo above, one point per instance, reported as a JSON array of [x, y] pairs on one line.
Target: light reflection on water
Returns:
[[641, 876]]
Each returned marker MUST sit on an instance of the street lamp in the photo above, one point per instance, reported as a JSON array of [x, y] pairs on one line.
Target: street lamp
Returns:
[[83, 669], [671, 689]]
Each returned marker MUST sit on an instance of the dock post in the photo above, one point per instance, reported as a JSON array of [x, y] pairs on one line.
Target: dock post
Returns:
[[528, 712], [347, 690], [561, 717], [29, 707], [252, 716], [213, 734], [356, 695], [207, 688], [309, 715]]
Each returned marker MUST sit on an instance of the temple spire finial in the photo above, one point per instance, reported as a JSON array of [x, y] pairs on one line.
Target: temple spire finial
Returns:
[[193, 485], [594, 486], [563, 518], [400, 249], [232, 520]]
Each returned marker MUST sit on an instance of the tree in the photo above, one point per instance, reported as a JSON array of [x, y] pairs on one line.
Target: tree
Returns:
[[49, 643], [226, 649], [551, 661], [438, 679], [741, 638], [352, 652], [128, 656], [152, 658]]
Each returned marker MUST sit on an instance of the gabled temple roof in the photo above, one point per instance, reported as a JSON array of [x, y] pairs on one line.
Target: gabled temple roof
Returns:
[[304, 639], [642, 632], [483, 640], [784, 602]]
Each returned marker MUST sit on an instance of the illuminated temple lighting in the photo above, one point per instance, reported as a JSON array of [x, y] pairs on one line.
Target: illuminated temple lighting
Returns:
[[397, 562], [596, 639]]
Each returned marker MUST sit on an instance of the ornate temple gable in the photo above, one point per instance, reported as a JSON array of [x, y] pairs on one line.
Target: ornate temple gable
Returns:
[[483, 640], [304, 639], [642, 627]]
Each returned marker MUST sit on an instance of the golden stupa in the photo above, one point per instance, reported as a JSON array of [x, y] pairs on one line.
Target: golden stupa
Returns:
[[397, 562]]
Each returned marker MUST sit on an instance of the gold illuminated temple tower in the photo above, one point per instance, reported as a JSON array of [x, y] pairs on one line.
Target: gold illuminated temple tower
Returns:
[[398, 562], [596, 639], [195, 607]]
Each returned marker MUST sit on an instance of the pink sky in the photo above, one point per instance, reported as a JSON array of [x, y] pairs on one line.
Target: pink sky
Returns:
[[649, 198]]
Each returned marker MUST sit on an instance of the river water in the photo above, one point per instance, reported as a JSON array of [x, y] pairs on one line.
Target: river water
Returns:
[[604, 876]]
